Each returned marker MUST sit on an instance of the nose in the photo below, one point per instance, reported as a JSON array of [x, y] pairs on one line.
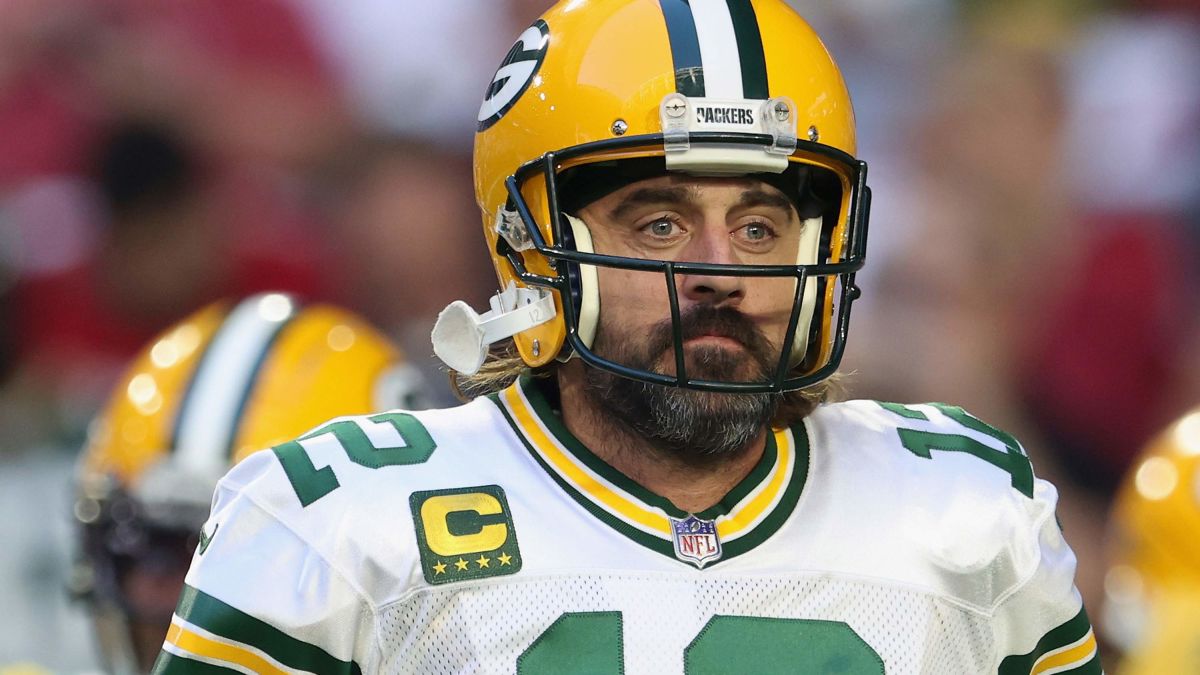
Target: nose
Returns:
[[717, 290]]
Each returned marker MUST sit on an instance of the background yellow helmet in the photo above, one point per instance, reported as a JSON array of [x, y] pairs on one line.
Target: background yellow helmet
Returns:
[[706, 87], [1152, 589], [227, 381]]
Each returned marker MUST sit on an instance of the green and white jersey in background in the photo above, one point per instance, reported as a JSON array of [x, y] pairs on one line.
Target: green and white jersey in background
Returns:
[[871, 538]]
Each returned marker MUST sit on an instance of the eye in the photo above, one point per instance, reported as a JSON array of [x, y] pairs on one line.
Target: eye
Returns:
[[757, 232], [663, 228]]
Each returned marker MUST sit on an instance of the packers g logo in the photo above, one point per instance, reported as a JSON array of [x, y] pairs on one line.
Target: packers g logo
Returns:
[[465, 533], [515, 73]]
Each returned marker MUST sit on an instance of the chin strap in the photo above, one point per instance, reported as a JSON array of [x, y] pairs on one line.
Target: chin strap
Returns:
[[461, 336]]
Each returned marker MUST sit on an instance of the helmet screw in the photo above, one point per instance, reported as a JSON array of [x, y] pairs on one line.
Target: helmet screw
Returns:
[[619, 128], [813, 134], [676, 107], [537, 348], [782, 112]]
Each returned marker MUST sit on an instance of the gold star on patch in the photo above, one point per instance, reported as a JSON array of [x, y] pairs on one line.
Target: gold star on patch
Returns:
[[504, 558], [482, 561], [461, 565], [439, 568]]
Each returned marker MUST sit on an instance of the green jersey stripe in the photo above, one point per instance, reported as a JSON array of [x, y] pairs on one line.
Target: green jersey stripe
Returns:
[[203, 610], [1070, 632]]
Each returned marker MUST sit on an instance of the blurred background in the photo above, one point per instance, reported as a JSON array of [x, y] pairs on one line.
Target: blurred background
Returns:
[[1034, 239]]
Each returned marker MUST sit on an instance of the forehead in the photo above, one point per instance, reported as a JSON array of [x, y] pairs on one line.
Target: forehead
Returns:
[[697, 190]]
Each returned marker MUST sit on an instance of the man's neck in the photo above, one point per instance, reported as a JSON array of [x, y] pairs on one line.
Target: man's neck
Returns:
[[690, 486]]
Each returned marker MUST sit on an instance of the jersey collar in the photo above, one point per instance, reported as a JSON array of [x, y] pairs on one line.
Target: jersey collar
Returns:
[[750, 513]]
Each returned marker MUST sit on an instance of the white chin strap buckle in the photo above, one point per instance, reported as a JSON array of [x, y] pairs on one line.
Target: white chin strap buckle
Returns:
[[461, 336]]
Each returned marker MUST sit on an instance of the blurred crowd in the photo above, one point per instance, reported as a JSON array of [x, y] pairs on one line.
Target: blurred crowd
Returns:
[[1034, 235]]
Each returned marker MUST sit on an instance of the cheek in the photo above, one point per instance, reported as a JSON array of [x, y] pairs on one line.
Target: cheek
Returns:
[[634, 297], [633, 307], [769, 301]]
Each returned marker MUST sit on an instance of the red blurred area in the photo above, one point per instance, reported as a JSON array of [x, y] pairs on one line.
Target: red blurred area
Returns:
[[1102, 372]]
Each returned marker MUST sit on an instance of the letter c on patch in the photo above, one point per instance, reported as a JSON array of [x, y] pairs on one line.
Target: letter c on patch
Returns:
[[435, 514]]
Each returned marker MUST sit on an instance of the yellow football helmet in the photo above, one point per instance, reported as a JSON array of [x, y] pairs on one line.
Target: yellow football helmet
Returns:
[[598, 92], [1152, 588], [227, 381]]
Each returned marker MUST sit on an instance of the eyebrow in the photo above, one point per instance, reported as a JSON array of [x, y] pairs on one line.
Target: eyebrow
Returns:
[[753, 198], [676, 194], [647, 196]]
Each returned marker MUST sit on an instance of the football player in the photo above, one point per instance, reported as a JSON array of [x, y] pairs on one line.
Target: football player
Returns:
[[652, 480], [1152, 588], [224, 382]]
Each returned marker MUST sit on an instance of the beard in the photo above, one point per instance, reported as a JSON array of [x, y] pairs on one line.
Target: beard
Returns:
[[700, 427]]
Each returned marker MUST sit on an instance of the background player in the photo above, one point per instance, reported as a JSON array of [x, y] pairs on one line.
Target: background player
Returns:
[[1152, 589], [230, 379]]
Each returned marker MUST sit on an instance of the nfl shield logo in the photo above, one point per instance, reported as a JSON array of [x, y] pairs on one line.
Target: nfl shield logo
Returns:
[[696, 541]]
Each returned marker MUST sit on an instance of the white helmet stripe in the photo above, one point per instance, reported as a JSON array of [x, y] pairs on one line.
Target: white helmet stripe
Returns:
[[718, 49], [209, 415]]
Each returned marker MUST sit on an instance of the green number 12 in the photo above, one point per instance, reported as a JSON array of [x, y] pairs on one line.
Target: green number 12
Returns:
[[592, 643]]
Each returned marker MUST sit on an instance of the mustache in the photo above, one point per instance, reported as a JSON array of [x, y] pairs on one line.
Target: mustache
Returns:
[[704, 320]]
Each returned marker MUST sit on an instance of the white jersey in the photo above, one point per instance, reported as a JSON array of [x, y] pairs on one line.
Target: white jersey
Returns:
[[871, 538]]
